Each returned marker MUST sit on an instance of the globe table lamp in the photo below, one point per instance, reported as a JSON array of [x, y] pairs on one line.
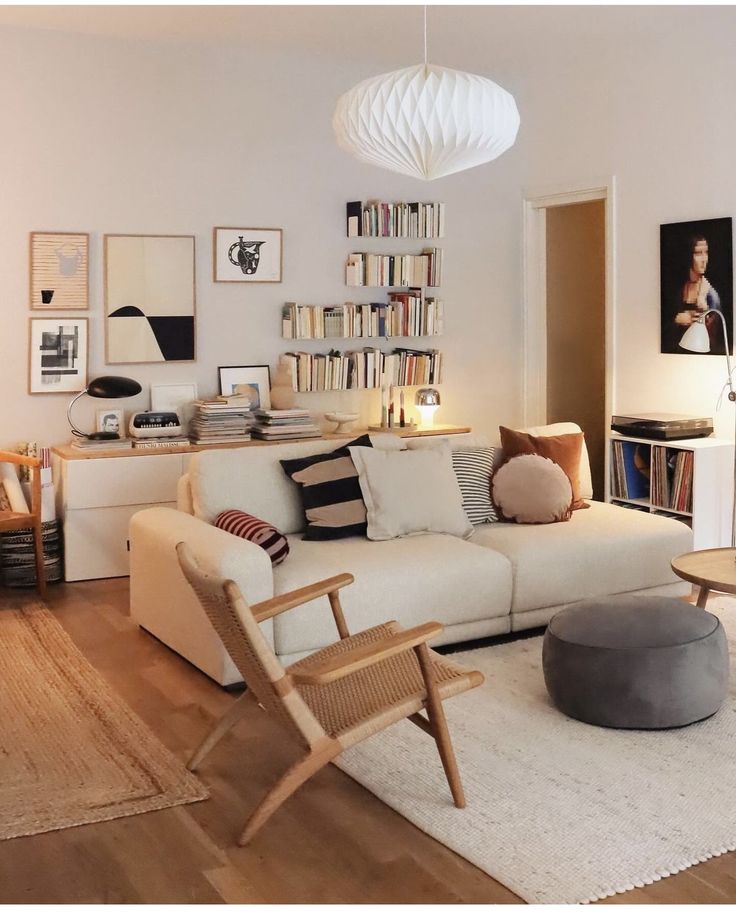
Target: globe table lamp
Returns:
[[427, 402], [104, 388], [697, 339]]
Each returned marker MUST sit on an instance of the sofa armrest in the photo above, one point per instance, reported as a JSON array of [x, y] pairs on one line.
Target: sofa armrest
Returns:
[[163, 603]]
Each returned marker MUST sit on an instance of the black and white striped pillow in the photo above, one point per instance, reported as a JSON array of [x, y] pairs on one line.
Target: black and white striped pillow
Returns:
[[273, 542], [473, 470]]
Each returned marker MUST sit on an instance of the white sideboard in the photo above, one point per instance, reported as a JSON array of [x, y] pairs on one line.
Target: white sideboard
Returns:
[[98, 492]]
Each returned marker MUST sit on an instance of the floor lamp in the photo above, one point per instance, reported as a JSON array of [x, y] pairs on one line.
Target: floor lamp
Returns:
[[697, 339]]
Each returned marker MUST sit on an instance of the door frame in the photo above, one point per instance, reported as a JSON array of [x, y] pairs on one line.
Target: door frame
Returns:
[[534, 384]]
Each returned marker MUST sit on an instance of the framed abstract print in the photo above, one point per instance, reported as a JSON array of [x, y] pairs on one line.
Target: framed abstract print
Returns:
[[253, 381], [247, 254], [57, 355], [59, 274]]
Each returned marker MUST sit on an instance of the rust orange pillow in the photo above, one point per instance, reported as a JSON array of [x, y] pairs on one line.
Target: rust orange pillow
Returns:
[[564, 449]]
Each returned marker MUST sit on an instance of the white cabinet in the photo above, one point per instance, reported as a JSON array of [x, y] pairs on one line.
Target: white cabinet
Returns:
[[688, 480], [96, 498]]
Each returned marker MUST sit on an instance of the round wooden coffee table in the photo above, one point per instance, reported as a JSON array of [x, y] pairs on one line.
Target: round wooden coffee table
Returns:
[[714, 569]]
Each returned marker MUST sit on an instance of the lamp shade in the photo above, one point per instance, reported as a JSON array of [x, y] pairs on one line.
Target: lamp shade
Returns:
[[426, 121], [696, 338], [427, 396], [113, 388]]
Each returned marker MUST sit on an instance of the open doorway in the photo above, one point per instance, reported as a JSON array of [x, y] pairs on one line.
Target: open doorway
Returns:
[[569, 341]]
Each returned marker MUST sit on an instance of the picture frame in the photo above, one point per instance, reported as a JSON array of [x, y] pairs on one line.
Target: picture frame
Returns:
[[237, 379], [111, 420], [58, 355], [696, 275], [150, 300], [174, 397], [247, 254], [59, 270]]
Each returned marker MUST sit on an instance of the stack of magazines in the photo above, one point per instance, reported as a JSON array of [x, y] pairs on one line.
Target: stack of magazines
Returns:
[[216, 421], [284, 424]]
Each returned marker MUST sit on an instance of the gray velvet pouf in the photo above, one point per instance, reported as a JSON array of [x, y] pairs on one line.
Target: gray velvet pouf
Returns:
[[636, 662]]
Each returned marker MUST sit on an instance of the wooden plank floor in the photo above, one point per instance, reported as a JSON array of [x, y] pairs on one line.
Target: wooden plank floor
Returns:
[[333, 842]]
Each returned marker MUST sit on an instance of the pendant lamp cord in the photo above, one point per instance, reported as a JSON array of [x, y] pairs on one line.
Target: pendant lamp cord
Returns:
[[425, 36]]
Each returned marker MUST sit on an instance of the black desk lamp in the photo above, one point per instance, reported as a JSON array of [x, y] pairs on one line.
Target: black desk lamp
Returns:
[[104, 388]]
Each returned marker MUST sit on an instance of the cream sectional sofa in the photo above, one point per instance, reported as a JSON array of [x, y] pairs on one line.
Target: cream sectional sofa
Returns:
[[505, 578]]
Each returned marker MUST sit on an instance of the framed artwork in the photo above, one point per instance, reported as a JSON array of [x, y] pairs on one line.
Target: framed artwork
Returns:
[[174, 397], [57, 355], [149, 298], [59, 278], [250, 380], [247, 254], [111, 421], [696, 275]]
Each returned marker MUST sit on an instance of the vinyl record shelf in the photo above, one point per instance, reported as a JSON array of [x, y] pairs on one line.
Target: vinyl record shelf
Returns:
[[686, 480]]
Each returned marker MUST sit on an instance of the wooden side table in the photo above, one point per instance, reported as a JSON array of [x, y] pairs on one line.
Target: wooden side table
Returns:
[[713, 569]]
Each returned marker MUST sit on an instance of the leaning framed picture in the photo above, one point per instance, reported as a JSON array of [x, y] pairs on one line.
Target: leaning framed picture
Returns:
[[57, 355], [249, 380], [111, 421], [59, 270], [247, 254], [174, 397], [149, 298], [696, 283]]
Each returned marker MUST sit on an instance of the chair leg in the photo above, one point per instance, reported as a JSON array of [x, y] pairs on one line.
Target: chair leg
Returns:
[[40, 568], [233, 714], [437, 721], [296, 775]]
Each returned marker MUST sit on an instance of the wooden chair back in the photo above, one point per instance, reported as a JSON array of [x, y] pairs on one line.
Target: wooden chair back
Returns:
[[252, 654]]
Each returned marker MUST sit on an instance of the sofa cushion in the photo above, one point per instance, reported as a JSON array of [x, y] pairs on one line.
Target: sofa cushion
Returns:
[[532, 489], [410, 580], [568, 427], [602, 551], [563, 449], [330, 490], [473, 469], [410, 492], [251, 479], [255, 530]]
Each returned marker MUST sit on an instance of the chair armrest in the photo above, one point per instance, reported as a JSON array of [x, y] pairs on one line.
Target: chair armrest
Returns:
[[346, 663], [17, 459], [288, 600]]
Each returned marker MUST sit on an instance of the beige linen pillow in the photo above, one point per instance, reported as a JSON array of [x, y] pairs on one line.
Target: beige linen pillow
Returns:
[[410, 491]]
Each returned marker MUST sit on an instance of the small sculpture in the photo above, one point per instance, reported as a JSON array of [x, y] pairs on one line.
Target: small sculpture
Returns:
[[342, 419]]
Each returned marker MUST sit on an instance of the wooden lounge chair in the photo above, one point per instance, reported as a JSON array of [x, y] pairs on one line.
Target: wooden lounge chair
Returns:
[[336, 697], [14, 522]]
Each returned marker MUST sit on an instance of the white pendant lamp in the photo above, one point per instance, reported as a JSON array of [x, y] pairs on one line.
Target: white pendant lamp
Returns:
[[426, 121]]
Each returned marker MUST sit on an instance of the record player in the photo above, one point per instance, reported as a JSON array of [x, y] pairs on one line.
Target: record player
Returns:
[[662, 426]]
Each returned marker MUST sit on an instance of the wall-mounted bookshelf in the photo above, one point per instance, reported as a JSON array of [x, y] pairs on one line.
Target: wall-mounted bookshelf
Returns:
[[375, 218], [392, 270], [405, 315], [683, 479], [369, 368]]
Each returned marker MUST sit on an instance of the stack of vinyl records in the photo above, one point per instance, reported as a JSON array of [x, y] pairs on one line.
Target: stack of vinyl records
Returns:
[[17, 555], [216, 422], [284, 424]]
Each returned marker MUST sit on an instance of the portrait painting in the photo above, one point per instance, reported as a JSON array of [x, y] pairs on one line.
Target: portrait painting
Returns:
[[696, 276]]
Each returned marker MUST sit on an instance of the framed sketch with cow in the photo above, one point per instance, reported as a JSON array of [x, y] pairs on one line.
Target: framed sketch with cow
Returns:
[[247, 254]]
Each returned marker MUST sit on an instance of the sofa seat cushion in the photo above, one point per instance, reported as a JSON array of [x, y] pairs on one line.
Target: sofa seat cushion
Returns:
[[410, 580], [601, 551]]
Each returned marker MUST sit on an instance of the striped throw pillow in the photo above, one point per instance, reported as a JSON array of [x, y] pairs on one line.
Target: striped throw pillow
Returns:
[[255, 530], [331, 496], [473, 470]]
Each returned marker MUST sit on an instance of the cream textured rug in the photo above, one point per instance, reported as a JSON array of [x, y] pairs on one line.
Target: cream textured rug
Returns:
[[559, 811], [71, 751]]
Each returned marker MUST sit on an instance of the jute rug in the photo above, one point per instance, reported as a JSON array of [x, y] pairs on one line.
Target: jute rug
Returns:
[[71, 751], [560, 811]]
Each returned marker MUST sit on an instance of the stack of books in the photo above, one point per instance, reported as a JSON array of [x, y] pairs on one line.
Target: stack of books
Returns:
[[160, 443], [284, 424], [83, 443], [221, 420]]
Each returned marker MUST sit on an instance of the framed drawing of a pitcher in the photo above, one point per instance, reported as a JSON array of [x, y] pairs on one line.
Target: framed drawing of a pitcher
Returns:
[[247, 254], [59, 270]]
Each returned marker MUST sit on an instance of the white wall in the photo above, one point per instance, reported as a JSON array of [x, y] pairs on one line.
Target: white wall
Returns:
[[112, 135], [106, 135]]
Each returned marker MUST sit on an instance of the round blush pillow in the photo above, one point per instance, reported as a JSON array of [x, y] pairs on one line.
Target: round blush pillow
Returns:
[[532, 489]]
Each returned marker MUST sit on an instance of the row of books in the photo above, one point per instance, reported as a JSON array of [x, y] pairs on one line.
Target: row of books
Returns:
[[367, 369], [672, 479], [284, 424], [406, 314], [221, 420], [389, 270], [405, 220]]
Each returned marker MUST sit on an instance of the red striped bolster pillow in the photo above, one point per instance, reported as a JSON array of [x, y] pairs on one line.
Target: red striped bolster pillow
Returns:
[[273, 542]]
